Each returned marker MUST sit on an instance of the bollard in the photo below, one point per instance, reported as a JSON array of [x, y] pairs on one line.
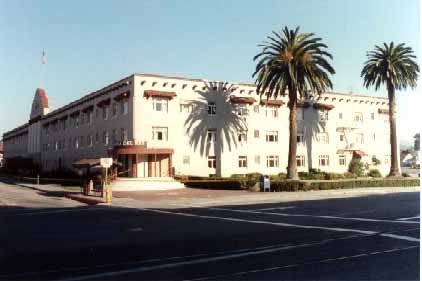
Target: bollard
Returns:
[[38, 180], [108, 194], [90, 187]]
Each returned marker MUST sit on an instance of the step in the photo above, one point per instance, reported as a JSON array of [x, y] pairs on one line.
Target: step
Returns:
[[138, 184]]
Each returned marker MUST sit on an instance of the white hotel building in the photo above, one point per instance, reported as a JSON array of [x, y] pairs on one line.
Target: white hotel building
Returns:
[[159, 126]]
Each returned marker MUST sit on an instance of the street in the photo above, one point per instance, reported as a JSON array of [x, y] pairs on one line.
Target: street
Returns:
[[372, 236]]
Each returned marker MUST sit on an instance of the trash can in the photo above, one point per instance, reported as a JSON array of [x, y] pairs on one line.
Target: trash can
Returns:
[[264, 183], [267, 184]]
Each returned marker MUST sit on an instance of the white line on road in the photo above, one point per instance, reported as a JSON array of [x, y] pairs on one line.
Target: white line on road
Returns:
[[338, 229], [312, 216], [405, 219], [224, 276], [276, 208], [201, 260]]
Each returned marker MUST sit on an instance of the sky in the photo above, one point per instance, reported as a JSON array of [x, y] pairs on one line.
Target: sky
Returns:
[[90, 44]]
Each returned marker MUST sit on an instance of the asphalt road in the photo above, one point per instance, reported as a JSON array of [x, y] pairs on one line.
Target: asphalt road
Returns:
[[373, 237]]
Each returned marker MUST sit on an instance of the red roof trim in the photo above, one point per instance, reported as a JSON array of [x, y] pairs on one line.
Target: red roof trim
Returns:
[[272, 102], [162, 94], [242, 100], [359, 153], [383, 111], [323, 106]]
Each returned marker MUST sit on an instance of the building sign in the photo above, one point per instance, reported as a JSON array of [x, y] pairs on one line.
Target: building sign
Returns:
[[106, 162]]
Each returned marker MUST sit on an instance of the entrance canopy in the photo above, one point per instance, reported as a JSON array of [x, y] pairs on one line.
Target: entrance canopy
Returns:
[[91, 163], [140, 149]]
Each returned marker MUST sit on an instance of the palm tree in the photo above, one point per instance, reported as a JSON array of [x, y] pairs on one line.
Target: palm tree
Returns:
[[395, 67], [296, 62]]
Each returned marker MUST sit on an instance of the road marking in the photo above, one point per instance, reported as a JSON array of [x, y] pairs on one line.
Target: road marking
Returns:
[[312, 216], [405, 219], [200, 260], [408, 238], [222, 276], [276, 208], [338, 229]]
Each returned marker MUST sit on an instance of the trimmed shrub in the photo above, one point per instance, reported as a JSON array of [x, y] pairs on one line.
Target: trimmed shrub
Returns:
[[375, 173], [349, 175], [406, 175], [292, 185], [333, 176], [357, 167], [214, 184]]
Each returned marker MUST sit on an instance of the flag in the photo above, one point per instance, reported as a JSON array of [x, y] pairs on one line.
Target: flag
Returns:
[[43, 58]]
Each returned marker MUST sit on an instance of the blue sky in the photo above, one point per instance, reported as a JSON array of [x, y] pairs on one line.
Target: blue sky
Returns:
[[92, 43]]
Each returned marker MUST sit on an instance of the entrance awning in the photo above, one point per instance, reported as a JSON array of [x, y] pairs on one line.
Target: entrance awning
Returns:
[[91, 163], [359, 153], [140, 149]]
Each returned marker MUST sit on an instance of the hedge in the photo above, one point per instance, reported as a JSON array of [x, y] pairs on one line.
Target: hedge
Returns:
[[217, 184], [299, 185], [302, 185]]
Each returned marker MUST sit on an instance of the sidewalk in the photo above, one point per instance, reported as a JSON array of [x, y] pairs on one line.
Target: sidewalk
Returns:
[[142, 199]]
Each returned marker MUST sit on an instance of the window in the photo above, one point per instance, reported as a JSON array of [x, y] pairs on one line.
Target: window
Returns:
[[242, 136], [323, 115], [256, 134], [387, 159], [97, 113], [105, 112], [124, 106], [212, 108], [89, 140], [271, 111], [359, 138], [340, 115], [271, 136], [300, 139], [76, 142], [211, 136], [372, 116], [341, 137], [300, 160], [123, 134], [114, 136], [373, 136], [342, 160], [97, 137], [159, 133], [56, 146], [186, 107], [89, 117], [257, 159], [358, 117], [300, 114], [76, 121], [243, 161], [82, 142], [256, 108], [186, 160], [324, 160], [212, 162], [105, 137], [272, 161], [114, 109], [323, 138], [159, 104], [242, 110]]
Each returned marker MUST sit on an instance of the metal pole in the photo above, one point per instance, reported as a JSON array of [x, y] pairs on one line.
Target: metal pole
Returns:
[[38, 180]]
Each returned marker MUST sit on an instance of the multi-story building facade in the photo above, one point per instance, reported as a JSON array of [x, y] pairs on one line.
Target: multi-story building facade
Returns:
[[159, 126]]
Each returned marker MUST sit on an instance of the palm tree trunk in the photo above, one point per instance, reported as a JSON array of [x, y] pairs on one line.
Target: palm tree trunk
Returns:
[[291, 166], [394, 169]]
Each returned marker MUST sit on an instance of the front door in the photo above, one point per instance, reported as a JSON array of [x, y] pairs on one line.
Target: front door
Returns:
[[158, 165]]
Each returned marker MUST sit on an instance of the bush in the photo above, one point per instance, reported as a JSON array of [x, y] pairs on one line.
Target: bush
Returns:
[[375, 161], [357, 168], [299, 185], [349, 175], [375, 173], [405, 175], [333, 176], [214, 184]]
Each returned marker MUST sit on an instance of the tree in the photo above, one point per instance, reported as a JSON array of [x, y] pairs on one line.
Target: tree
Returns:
[[297, 63], [394, 66]]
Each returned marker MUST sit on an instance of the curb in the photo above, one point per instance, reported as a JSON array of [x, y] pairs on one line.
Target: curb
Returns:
[[85, 199]]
